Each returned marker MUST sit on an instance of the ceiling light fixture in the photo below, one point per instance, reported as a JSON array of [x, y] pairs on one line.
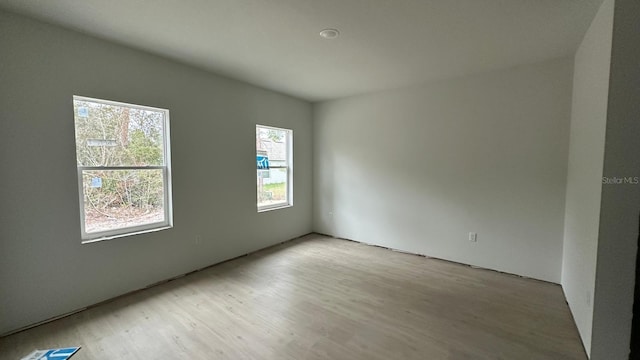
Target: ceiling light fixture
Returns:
[[329, 34]]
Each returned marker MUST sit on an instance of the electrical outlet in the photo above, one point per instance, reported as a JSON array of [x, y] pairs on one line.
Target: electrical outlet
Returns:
[[473, 237], [198, 239]]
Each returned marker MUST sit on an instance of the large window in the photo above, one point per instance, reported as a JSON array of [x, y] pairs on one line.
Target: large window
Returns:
[[274, 149], [124, 171]]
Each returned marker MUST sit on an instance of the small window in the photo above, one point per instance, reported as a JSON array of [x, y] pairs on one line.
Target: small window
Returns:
[[124, 172], [274, 149]]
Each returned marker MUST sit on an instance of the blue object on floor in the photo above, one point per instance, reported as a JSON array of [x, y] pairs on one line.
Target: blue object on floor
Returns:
[[52, 354]]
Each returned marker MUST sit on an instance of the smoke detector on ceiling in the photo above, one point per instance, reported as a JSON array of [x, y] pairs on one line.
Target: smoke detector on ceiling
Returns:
[[329, 34]]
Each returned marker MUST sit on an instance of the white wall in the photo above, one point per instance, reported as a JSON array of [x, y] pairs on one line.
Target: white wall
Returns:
[[44, 270], [418, 168], [584, 179], [620, 205]]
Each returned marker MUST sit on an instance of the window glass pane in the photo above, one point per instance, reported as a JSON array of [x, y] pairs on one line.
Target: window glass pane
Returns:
[[274, 143], [114, 135], [272, 187], [115, 199]]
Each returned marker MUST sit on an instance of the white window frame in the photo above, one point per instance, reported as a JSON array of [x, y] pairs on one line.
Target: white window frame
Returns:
[[166, 174], [289, 167]]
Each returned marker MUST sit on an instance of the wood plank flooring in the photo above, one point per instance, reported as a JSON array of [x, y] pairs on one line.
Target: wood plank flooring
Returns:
[[322, 298]]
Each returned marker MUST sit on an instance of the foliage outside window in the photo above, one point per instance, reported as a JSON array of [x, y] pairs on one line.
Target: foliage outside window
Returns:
[[274, 167], [122, 153]]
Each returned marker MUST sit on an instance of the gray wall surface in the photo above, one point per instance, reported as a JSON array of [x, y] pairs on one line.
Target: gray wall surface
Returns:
[[620, 206], [418, 168], [44, 269], [584, 179]]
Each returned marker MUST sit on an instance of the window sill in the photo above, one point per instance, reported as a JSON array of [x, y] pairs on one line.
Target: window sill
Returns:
[[139, 232], [275, 207]]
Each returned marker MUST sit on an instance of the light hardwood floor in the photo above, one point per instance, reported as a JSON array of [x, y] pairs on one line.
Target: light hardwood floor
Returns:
[[322, 298]]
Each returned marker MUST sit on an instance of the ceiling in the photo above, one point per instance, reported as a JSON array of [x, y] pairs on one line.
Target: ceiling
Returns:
[[383, 43]]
